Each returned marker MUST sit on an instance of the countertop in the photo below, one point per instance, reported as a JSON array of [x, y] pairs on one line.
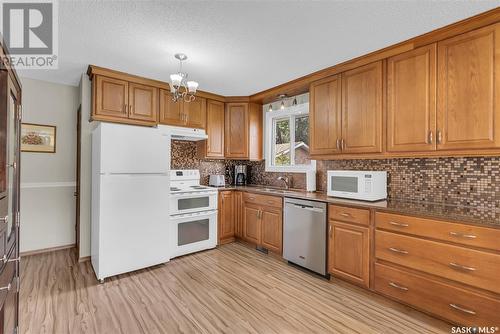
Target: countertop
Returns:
[[487, 217]]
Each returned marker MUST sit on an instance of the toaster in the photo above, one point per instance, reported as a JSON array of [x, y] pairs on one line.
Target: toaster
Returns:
[[217, 180]]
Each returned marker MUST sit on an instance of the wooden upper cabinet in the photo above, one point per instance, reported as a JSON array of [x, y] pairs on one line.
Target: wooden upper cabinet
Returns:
[[362, 94], [143, 102], [236, 130], [170, 111], [411, 100], [469, 90], [111, 97], [325, 116], [215, 129], [195, 113]]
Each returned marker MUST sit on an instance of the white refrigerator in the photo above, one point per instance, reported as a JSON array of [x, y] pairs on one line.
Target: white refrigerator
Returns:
[[130, 198]]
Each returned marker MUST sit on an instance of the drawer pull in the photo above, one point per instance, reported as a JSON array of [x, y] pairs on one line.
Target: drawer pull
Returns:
[[397, 286], [459, 266], [6, 287], [456, 307], [399, 224], [461, 235], [345, 214], [396, 250]]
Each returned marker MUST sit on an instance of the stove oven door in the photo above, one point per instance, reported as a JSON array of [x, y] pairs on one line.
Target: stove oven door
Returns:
[[192, 202], [194, 232]]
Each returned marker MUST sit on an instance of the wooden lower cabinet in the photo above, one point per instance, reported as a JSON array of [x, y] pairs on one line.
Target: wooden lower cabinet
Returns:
[[238, 207], [251, 223], [459, 305], [272, 229], [263, 221], [226, 217], [446, 269], [349, 244], [349, 252]]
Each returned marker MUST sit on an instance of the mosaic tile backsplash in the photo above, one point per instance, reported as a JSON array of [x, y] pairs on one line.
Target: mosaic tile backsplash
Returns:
[[456, 181]]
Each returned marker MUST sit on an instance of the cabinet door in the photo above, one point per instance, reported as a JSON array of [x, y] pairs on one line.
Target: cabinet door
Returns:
[[196, 113], [111, 97], [349, 252], [251, 223], [469, 90], [215, 129], [362, 90], [238, 219], [324, 116], [272, 229], [143, 102], [236, 134], [171, 112], [411, 100], [226, 216]]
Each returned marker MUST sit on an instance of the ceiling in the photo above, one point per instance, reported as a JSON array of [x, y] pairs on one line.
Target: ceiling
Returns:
[[237, 47]]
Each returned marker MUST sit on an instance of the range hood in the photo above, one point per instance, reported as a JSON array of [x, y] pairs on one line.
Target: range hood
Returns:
[[188, 134]]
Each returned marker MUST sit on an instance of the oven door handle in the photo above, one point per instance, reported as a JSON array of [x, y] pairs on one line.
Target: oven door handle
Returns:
[[194, 214]]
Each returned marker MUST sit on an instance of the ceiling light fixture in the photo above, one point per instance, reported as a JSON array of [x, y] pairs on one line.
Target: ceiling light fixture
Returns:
[[282, 97], [270, 107], [180, 87], [294, 103]]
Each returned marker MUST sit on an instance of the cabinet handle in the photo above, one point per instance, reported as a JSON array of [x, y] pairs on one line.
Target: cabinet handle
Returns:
[[439, 137], [6, 287], [337, 143], [396, 250], [330, 230], [345, 214], [399, 224], [461, 267], [430, 138], [342, 144], [397, 286], [461, 235], [129, 109], [4, 219], [125, 107], [456, 307]]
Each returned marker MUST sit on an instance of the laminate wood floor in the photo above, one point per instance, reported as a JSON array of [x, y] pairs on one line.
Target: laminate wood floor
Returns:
[[232, 289]]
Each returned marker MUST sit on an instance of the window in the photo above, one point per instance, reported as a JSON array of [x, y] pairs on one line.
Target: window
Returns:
[[287, 140]]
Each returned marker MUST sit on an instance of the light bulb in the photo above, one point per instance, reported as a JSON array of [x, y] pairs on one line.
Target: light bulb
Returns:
[[176, 80], [282, 105], [192, 86], [270, 107]]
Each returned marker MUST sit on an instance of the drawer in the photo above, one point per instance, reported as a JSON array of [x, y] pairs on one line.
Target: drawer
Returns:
[[458, 305], [265, 200], [7, 275], [469, 266], [347, 214], [454, 232]]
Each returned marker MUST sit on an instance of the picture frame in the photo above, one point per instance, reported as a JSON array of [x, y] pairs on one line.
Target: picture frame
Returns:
[[38, 138]]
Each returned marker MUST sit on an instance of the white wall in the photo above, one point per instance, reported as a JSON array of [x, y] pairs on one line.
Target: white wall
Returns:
[[48, 179], [85, 166]]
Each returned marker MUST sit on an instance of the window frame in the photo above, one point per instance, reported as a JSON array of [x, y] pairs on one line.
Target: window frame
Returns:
[[271, 118]]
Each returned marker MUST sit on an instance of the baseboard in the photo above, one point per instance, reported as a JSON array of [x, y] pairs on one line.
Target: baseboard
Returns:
[[84, 259], [46, 250]]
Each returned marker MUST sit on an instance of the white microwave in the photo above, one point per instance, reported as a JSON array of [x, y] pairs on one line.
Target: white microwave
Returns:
[[354, 184]]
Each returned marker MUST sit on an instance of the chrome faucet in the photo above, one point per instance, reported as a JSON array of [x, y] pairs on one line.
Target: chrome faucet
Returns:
[[286, 180]]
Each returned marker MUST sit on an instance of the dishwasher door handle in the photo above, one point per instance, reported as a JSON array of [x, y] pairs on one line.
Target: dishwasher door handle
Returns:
[[309, 208]]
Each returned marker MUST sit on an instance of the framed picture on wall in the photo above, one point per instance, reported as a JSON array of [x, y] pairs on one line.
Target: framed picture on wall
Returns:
[[38, 138]]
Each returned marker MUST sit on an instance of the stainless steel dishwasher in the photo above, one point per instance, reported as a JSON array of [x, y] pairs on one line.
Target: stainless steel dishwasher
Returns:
[[304, 234]]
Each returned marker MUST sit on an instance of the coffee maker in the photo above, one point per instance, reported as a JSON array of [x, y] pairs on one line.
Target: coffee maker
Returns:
[[240, 175]]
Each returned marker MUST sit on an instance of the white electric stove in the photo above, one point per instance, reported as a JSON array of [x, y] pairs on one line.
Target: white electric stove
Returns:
[[193, 213]]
